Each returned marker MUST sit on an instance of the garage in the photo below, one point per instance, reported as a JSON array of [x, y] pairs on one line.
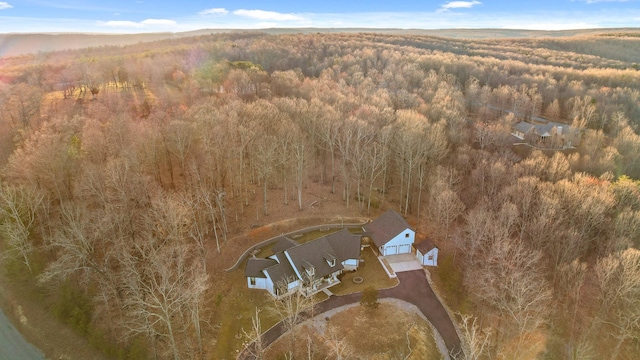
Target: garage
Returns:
[[404, 249], [390, 250]]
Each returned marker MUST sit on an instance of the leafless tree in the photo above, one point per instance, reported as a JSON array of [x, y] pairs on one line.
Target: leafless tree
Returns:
[[163, 291], [618, 277], [337, 344], [290, 308], [18, 209], [255, 343], [475, 342]]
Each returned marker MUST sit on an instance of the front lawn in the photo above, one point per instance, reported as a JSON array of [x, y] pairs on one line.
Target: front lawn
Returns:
[[371, 272]]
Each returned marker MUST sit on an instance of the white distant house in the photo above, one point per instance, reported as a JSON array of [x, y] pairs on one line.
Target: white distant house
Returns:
[[391, 234], [427, 253], [308, 267]]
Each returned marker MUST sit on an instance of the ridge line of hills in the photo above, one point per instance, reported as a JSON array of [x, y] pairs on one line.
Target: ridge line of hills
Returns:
[[15, 44]]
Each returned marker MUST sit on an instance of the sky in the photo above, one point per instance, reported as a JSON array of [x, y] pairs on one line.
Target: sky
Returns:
[[138, 16]]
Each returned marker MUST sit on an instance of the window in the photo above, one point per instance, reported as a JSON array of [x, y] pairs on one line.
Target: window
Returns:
[[430, 257], [406, 235], [252, 281], [331, 262]]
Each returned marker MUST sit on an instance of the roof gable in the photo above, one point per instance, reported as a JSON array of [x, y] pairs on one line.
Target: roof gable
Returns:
[[282, 272], [386, 227], [255, 267], [283, 244], [523, 127], [345, 244]]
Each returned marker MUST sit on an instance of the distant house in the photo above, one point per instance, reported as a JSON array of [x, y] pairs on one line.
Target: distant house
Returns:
[[427, 253], [308, 267], [391, 234], [547, 133]]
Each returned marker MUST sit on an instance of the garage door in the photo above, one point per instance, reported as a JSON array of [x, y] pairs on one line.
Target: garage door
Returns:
[[404, 249], [391, 250]]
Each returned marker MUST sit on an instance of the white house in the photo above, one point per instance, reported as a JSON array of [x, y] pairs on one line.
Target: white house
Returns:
[[427, 253], [391, 234], [307, 267]]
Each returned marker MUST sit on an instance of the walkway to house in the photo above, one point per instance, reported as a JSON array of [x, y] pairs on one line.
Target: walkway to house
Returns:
[[413, 288]]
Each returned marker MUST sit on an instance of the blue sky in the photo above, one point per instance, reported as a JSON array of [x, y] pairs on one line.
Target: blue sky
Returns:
[[149, 16]]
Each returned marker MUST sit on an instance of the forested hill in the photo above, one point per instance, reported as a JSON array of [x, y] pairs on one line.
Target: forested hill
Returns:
[[21, 44], [132, 176]]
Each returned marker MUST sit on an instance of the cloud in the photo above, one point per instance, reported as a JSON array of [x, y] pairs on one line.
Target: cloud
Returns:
[[5, 5], [158, 22], [267, 15], [599, 1], [214, 11], [137, 25], [460, 4]]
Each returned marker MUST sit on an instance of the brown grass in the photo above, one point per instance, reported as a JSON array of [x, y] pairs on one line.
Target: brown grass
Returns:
[[378, 334]]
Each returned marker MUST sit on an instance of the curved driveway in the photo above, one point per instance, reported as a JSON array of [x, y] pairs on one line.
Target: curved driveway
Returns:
[[413, 288]]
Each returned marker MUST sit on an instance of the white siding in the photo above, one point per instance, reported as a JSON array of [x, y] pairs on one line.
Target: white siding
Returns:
[[351, 264], [260, 283], [430, 258], [269, 286]]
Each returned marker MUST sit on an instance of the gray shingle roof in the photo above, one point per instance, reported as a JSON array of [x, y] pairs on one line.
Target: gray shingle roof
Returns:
[[283, 244], [256, 265], [425, 246], [386, 227], [282, 271], [318, 254], [345, 244], [523, 127], [313, 254]]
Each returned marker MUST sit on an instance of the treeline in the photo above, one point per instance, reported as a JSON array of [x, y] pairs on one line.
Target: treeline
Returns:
[[126, 170]]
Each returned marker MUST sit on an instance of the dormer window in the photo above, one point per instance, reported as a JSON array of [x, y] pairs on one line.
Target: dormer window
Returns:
[[330, 259], [311, 271]]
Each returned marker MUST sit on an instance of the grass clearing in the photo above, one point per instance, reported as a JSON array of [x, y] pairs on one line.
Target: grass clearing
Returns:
[[389, 332]]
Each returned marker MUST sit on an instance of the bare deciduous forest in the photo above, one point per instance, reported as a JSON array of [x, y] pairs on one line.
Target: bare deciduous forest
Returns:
[[130, 173]]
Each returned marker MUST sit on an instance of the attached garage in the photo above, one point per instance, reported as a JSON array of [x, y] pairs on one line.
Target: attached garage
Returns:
[[391, 234], [390, 250], [404, 249]]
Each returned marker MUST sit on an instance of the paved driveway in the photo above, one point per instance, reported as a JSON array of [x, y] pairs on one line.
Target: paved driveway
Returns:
[[403, 262]]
